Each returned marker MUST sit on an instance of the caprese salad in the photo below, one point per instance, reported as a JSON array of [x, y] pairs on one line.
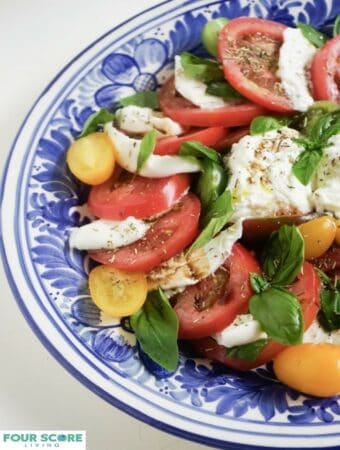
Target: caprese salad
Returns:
[[216, 205]]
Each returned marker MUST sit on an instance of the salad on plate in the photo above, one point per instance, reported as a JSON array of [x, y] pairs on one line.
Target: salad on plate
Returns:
[[215, 205]]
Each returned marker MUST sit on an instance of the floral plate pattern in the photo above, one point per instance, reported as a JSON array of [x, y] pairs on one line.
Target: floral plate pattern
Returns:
[[201, 401]]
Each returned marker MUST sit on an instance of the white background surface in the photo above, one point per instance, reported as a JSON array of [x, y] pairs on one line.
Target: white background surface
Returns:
[[37, 38]]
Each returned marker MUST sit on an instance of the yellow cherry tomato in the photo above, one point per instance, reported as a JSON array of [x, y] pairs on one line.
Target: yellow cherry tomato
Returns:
[[337, 236], [313, 369], [319, 235], [91, 158], [117, 293]]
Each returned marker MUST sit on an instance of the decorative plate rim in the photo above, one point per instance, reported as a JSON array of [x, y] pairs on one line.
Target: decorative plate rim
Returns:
[[49, 345]]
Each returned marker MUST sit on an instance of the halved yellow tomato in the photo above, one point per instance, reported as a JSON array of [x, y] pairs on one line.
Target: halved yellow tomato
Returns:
[[310, 368], [337, 235], [319, 235], [117, 293], [91, 158]]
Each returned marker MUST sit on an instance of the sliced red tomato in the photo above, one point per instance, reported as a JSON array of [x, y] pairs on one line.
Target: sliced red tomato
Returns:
[[329, 262], [212, 304], [184, 112], [249, 50], [169, 235], [207, 136], [233, 137], [136, 196], [306, 288], [255, 231], [325, 71]]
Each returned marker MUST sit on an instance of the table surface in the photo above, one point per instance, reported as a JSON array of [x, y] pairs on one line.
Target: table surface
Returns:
[[37, 38]]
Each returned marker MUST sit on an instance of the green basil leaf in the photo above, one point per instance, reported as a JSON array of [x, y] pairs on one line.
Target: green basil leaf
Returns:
[[223, 89], [220, 209], [199, 150], [314, 36], [247, 352], [156, 329], [210, 33], [258, 283], [147, 99], [98, 118], [211, 183], [336, 27], [326, 126], [306, 164], [279, 314], [325, 279], [283, 255], [215, 219], [329, 314], [147, 146], [262, 124], [306, 121], [201, 69]]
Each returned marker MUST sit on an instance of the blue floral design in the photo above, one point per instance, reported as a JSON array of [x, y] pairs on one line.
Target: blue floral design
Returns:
[[130, 74], [112, 346]]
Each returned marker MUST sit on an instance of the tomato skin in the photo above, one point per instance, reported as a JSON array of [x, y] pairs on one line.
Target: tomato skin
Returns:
[[207, 136], [318, 235], [233, 137], [184, 112], [329, 262], [306, 288], [233, 297], [169, 235], [260, 92], [136, 196], [313, 369], [325, 71], [117, 293]]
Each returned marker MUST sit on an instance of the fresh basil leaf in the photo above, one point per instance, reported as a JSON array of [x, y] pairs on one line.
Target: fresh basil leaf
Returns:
[[247, 352], [223, 89], [336, 27], [201, 69], [98, 118], [326, 126], [314, 36], [147, 146], [147, 99], [156, 329], [279, 313], [329, 314], [199, 150], [305, 122], [221, 208], [283, 255], [306, 164], [215, 219], [211, 182], [325, 279], [258, 283], [262, 124]]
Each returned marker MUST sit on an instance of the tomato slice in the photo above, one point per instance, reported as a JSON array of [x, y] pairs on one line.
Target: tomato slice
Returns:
[[233, 137], [136, 196], [329, 262], [169, 235], [249, 50], [325, 71], [306, 288], [184, 112], [212, 304], [208, 136]]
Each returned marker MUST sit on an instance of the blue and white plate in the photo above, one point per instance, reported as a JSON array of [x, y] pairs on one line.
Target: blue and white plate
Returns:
[[201, 401]]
